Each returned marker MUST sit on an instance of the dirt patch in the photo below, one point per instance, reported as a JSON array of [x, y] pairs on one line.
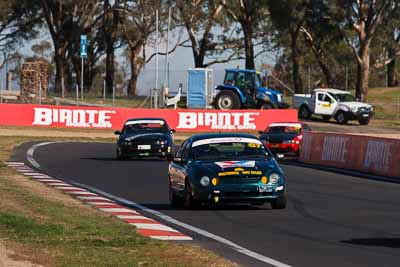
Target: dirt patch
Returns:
[[9, 258]]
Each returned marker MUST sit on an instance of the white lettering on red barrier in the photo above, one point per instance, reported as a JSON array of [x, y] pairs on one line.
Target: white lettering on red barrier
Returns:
[[334, 148], [218, 120], [85, 118], [378, 155]]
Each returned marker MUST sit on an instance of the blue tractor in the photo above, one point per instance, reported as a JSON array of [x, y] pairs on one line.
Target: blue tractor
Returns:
[[243, 88]]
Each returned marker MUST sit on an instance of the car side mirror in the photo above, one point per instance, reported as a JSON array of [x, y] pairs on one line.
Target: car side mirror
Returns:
[[172, 131], [117, 133]]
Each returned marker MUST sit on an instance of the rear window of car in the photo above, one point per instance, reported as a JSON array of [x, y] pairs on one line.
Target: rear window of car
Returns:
[[228, 148], [284, 129], [132, 127]]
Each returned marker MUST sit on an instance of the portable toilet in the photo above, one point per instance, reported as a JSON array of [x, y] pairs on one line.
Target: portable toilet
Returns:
[[200, 88]]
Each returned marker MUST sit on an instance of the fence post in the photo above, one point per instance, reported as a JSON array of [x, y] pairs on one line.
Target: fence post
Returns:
[[113, 98], [347, 78], [40, 91], [1, 91], [77, 94], [104, 90]]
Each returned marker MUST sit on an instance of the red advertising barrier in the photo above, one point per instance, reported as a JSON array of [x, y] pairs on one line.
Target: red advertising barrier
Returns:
[[361, 153], [184, 120]]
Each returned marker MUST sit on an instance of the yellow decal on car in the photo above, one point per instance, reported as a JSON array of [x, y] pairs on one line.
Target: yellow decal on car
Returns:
[[228, 173], [326, 105], [253, 145], [239, 169]]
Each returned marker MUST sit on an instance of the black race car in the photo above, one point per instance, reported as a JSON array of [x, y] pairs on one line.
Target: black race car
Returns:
[[146, 137]]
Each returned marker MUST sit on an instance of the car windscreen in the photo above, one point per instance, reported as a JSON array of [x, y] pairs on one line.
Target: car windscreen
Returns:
[[228, 149], [136, 127], [344, 97], [284, 129]]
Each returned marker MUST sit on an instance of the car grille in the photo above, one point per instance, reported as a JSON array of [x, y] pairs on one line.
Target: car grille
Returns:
[[241, 194], [240, 180]]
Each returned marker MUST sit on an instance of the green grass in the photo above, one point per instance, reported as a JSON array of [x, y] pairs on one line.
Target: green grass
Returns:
[[52, 229]]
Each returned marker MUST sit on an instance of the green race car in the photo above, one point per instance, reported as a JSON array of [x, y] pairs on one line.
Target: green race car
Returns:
[[213, 168]]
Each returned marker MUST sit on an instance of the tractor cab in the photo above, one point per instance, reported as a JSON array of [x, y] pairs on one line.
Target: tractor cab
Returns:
[[243, 88]]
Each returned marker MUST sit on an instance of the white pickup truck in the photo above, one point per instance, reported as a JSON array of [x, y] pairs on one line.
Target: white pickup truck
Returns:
[[335, 103]]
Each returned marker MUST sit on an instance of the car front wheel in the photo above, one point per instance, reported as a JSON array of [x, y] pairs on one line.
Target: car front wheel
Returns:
[[279, 203], [363, 121], [189, 201], [120, 155], [174, 201], [341, 118]]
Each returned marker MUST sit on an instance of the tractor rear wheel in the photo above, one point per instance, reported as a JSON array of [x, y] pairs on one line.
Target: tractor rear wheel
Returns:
[[227, 100]]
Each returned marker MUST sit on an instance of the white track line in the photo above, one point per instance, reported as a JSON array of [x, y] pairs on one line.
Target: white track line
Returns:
[[167, 218]]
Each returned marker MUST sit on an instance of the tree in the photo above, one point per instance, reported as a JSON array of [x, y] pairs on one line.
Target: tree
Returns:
[[251, 15], [111, 21], [388, 43], [138, 23], [17, 21], [200, 18], [321, 35], [41, 49], [61, 18], [288, 18], [359, 21]]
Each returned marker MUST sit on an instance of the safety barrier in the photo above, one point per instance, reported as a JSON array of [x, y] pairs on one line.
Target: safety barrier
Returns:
[[183, 120], [361, 153]]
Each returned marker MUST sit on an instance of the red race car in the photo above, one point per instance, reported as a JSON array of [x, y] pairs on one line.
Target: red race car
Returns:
[[284, 137]]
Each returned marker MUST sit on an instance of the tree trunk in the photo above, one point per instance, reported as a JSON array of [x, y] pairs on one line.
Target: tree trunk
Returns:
[[248, 44], [363, 74], [110, 32], [392, 70], [198, 58], [59, 57], [109, 67], [135, 70], [298, 82]]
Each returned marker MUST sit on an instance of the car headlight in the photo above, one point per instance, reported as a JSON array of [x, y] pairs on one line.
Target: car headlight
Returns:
[[274, 178], [161, 142], [205, 181], [354, 109]]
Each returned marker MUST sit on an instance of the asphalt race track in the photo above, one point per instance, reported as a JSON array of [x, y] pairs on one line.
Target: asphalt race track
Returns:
[[331, 219]]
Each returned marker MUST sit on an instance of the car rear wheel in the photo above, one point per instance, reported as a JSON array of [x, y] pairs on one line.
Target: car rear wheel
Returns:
[[189, 201], [279, 203], [227, 100], [340, 117], [304, 113]]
